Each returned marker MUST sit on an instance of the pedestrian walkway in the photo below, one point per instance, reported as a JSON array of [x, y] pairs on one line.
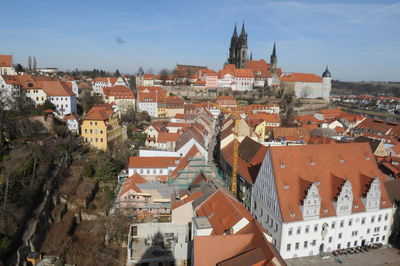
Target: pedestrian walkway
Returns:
[[382, 256]]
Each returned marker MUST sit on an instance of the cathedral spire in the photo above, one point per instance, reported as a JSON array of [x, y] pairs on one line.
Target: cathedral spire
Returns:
[[235, 32], [274, 50], [274, 59], [251, 56], [243, 31]]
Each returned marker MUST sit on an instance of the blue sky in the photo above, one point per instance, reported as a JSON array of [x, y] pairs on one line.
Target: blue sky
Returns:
[[359, 40]]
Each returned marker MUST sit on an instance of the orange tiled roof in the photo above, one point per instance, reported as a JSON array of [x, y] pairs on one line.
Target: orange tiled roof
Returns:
[[6, 61], [286, 132], [130, 184], [259, 66], [164, 137], [151, 94], [101, 112], [100, 79], [223, 211], [300, 77], [187, 199], [333, 165], [70, 116], [185, 161], [243, 73], [152, 162], [119, 92], [55, 88]]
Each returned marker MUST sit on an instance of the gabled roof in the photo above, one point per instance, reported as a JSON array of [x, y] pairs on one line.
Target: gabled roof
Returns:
[[243, 73], [259, 66], [185, 161], [291, 132], [6, 61], [119, 92], [71, 117], [251, 155], [295, 168], [151, 94], [191, 133], [152, 162], [300, 77], [164, 137], [101, 112], [380, 126], [223, 211], [131, 184], [55, 88]]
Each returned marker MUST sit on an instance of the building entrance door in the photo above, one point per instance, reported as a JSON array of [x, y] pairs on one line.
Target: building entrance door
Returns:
[[363, 243], [321, 248]]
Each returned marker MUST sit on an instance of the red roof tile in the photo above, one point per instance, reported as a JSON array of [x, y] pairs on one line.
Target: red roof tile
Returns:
[[152, 162], [300, 77], [6, 61], [119, 92], [332, 166]]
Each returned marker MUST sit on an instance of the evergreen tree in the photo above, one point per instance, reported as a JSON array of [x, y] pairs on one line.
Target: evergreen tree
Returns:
[[117, 74], [107, 170], [19, 68], [88, 169]]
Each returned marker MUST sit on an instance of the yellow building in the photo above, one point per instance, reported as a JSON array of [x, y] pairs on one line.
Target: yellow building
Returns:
[[101, 126]]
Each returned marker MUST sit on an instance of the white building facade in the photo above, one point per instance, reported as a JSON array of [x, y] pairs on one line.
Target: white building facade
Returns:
[[317, 219]]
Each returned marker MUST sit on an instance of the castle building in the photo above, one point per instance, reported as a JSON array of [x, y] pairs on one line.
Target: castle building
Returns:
[[238, 49]]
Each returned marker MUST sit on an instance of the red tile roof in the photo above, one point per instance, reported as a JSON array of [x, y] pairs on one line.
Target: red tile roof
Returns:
[[332, 166], [101, 112], [259, 66], [243, 73], [164, 137], [6, 61], [185, 161], [251, 155], [151, 94], [130, 183], [119, 92], [300, 77], [55, 88], [70, 116], [152, 162], [223, 211], [380, 126], [187, 199]]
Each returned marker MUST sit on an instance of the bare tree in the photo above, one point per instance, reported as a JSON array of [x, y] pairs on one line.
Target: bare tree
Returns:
[[164, 75]]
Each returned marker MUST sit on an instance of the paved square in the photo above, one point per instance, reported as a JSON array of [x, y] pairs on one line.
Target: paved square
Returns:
[[382, 256]]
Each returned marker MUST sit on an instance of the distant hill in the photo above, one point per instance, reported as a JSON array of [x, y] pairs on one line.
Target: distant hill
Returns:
[[370, 87]]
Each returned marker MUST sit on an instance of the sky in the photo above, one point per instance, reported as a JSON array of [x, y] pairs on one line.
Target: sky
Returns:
[[359, 40]]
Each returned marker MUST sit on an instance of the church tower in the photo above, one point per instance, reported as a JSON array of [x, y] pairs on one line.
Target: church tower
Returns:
[[274, 59], [242, 48], [238, 48], [326, 84]]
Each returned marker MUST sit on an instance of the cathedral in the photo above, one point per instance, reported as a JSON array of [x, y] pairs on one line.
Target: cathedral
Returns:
[[238, 49], [243, 69]]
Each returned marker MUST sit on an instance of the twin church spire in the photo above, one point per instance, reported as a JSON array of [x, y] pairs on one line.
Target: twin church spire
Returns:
[[238, 51]]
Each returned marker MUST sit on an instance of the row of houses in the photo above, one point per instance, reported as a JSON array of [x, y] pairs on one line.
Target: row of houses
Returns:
[[313, 192]]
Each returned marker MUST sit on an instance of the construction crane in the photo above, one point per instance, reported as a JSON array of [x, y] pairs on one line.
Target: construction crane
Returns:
[[237, 118]]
